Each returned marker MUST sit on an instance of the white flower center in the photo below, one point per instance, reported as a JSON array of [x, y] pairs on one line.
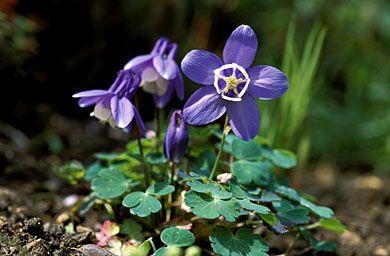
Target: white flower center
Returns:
[[231, 81]]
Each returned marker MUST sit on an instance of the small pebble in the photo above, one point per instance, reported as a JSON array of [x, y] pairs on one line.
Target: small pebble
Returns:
[[94, 250]]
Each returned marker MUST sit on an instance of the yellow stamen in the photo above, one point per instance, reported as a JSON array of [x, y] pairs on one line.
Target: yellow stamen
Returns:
[[231, 84]]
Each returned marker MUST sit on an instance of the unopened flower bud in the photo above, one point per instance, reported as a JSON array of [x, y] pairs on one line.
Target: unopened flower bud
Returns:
[[176, 137]]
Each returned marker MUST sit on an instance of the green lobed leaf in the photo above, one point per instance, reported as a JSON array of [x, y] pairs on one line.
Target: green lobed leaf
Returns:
[[155, 158], [206, 160], [270, 218], [269, 196], [244, 243], [206, 206], [72, 171], [93, 171], [333, 225], [141, 204], [132, 229], [110, 183], [252, 172], [142, 250], [248, 205], [290, 213], [86, 203], [246, 150], [160, 189], [283, 158], [169, 251], [315, 244], [212, 187], [177, 237], [323, 212], [112, 157]]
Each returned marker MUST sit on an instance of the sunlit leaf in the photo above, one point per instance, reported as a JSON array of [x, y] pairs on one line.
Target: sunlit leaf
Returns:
[[177, 237], [291, 214], [252, 172], [160, 189], [93, 171], [141, 204], [110, 183], [333, 225], [246, 150], [206, 206], [248, 205], [169, 251], [293, 195]]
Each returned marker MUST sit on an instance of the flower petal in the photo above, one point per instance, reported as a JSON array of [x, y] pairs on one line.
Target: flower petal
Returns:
[[149, 74], [178, 84], [101, 112], [241, 47], [139, 121], [204, 106], [267, 82], [88, 101], [199, 66], [122, 111], [158, 44], [162, 101], [88, 98], [244, 117], [165, 67], [91, 93], [139, 63]]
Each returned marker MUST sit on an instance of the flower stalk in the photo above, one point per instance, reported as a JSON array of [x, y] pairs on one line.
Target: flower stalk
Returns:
[[226, 130], [141, 152], [171, 175]]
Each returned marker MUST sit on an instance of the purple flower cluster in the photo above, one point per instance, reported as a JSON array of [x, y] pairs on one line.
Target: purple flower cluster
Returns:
[[229, 86], [114, 105], [157, 73]]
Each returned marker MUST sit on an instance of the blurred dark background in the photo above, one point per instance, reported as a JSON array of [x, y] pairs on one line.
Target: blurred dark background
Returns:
[[50, 49]]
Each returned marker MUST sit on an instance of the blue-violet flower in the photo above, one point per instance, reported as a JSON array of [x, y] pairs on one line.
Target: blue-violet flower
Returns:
[[232, 85], [176, 137], [114, 105], [159, 72]]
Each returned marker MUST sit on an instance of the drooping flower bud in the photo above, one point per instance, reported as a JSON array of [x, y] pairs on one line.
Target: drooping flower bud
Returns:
[[176, 137]]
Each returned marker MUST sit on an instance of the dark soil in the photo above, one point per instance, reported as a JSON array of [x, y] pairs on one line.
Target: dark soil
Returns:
[[21, 234], [361, 202]]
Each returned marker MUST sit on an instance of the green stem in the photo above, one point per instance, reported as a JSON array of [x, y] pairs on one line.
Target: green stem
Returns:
[[291, 245], [141, 152], [110, 210], [226, 129], [158, 120], [171, 174], [313, 226]]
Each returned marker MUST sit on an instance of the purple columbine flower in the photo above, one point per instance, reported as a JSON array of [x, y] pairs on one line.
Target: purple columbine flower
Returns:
[[114, 105], [231, 86], [159, 72], [176, 137]]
